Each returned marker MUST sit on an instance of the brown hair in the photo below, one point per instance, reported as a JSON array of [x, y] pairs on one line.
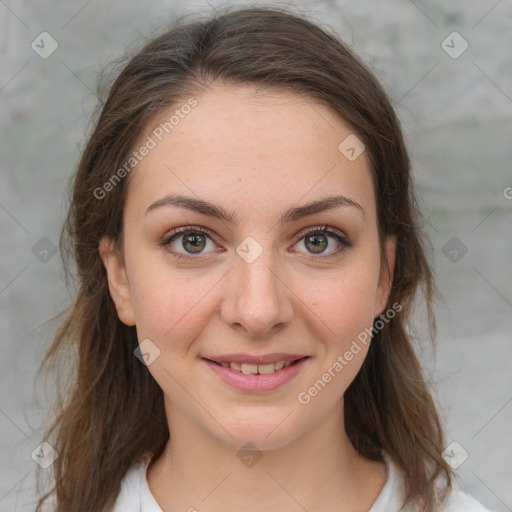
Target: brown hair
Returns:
[[113, 411]]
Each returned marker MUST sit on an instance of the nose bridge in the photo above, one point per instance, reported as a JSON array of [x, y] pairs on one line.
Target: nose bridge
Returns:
[[259, 299]]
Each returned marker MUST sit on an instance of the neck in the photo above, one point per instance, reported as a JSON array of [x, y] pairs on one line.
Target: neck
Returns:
[[318, 471]]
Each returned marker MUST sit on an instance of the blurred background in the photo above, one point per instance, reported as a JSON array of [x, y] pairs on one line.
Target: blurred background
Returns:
[[448, 69]]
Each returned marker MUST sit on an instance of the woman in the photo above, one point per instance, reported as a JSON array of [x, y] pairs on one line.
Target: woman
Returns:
[[246, 239]]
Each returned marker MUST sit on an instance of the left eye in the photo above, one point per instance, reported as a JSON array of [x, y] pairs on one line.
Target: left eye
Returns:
[[195, 240], [316, 241]]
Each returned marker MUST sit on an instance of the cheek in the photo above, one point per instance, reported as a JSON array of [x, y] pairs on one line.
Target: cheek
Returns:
[[343, 304], [171, 308], [341, 312]]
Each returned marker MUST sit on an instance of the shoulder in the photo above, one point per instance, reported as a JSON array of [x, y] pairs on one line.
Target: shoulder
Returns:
[[459, 501], [390, 498], [134, 495], [128, 499]]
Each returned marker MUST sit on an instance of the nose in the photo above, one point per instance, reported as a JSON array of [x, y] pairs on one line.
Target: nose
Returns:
[[257, 299]]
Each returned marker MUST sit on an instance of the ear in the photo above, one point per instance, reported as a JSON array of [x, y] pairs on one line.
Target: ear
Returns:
[[118, 284], [386, 276]]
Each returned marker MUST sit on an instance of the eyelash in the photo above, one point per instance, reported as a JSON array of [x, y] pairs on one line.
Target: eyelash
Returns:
[[175, 233]]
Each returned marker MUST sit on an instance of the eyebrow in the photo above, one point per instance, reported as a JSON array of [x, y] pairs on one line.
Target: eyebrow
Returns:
[[293, 214]]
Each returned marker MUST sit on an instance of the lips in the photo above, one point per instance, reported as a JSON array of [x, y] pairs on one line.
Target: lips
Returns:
[[256, 373], [257, 369], [255, 364], [262, 359]]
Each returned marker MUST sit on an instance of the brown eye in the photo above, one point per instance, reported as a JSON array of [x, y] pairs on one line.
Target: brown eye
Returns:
[[316, 243], [319, 241], [186, 242], [193, 243]]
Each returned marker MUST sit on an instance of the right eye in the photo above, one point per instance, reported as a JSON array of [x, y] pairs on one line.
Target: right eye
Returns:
[[192, 240]]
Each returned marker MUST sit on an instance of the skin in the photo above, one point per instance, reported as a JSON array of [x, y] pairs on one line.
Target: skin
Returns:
[[257, 154]]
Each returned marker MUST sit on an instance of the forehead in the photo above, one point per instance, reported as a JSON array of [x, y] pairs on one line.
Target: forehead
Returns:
[[249, 148]]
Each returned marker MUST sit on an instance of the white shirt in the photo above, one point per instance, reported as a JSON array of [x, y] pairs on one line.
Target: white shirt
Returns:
[[135, 495]]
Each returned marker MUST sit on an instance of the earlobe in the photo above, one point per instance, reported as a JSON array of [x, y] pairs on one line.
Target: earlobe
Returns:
[[118, 284], [386, 276]]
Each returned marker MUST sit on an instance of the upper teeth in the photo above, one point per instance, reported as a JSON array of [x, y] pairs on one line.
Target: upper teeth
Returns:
[[248, 368]]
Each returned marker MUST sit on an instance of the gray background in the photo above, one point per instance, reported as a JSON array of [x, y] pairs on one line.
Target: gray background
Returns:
[[457, 116]]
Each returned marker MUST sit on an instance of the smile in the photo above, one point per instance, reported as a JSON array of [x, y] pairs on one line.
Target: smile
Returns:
[[252, 377], [260, 369]]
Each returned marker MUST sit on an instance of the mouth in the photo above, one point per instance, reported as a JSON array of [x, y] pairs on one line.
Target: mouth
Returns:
[[257, 374], [257, 369]]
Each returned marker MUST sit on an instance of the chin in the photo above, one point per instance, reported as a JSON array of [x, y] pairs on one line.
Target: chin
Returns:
[[263, 430]]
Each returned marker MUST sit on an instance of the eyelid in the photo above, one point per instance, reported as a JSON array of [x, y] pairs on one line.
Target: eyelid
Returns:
[[322, 229], [325, 229]]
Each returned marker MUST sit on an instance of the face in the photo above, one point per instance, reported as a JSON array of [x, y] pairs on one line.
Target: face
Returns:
[[271, 287]]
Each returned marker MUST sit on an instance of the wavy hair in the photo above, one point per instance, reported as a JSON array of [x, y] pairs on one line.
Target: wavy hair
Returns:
[[112, 410]]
